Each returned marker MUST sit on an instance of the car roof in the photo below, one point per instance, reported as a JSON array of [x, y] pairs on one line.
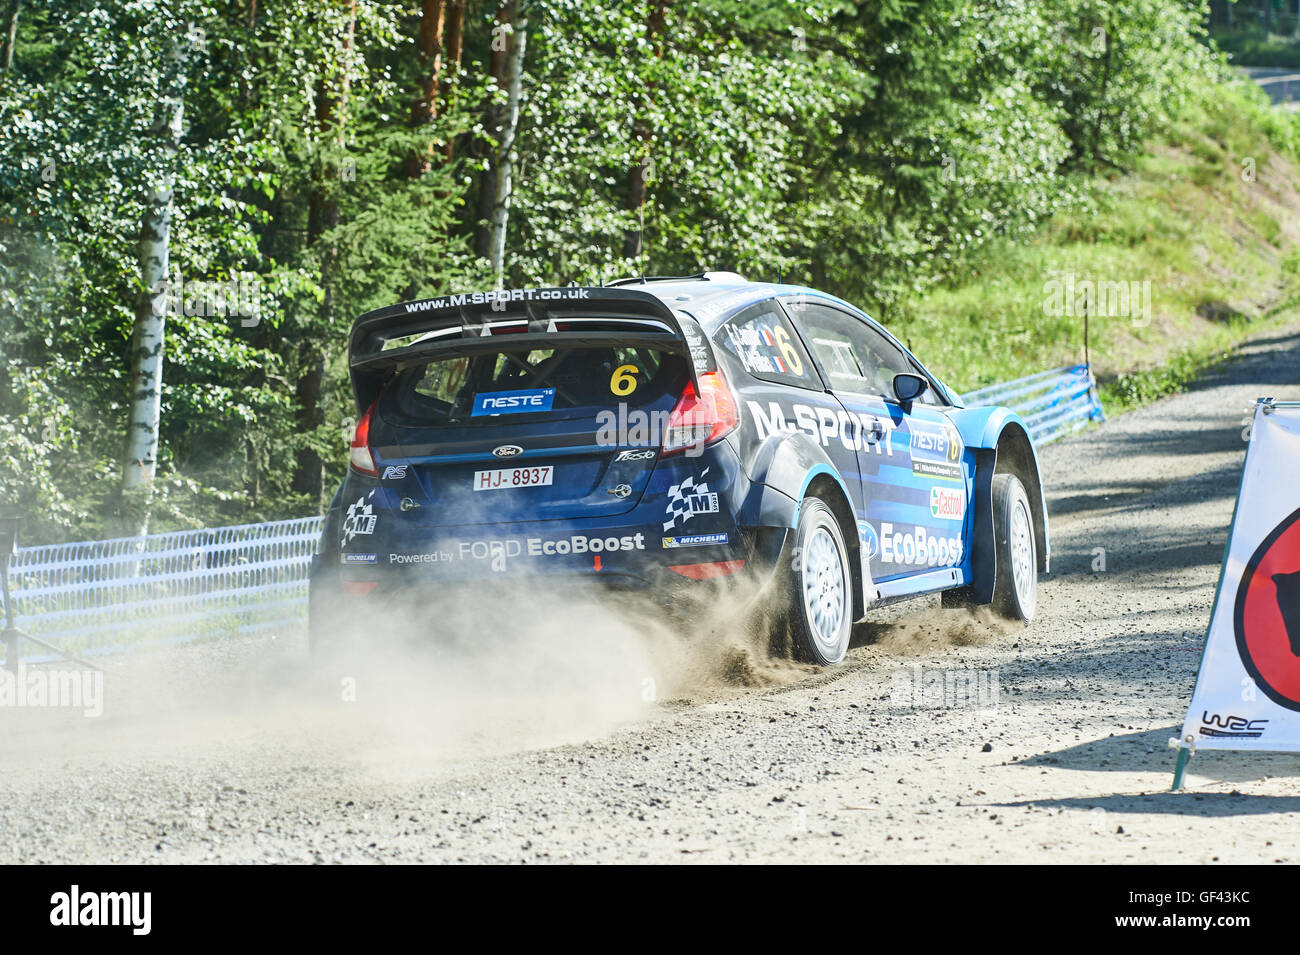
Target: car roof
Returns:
[[713, 297]]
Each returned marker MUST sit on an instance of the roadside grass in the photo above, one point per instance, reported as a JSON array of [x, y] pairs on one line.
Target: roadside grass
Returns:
[[1208, 223], [1130, 390]]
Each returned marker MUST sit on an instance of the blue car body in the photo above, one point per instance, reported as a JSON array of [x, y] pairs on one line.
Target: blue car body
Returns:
[[544, 471]]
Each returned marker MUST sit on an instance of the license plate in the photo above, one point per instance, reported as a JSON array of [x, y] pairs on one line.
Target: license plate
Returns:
[[513, 477]]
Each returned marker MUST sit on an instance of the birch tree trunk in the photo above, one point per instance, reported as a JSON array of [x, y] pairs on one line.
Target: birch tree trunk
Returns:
[[506, 156], [140, 461], [492, 120], [11, 33]]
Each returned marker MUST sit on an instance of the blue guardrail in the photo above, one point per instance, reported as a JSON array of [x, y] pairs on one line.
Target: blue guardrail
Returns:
[[1053, 403]]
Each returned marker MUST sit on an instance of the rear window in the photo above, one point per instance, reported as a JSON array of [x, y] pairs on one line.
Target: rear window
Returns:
[[566, 382]]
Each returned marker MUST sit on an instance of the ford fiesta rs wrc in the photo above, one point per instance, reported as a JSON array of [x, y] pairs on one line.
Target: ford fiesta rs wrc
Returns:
[[674, 437]]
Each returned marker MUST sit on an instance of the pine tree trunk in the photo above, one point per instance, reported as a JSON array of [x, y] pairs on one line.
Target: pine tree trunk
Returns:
[[639, 172], [322, 216], [454, 46], [425, 108]]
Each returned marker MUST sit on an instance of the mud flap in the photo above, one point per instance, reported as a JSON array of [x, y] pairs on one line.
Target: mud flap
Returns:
[[983, 546]]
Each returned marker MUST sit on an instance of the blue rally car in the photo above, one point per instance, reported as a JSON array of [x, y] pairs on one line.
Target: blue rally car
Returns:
[[673, 436]]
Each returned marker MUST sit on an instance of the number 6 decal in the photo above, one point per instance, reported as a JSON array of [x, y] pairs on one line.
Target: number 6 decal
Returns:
[[788, 351], [623, 381]]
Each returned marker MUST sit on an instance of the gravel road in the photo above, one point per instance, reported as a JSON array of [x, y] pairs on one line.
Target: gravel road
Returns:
[[594, 739]]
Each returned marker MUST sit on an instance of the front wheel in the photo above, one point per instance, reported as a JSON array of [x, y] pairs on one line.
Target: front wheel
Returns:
[[1015, 585], [818, 588]]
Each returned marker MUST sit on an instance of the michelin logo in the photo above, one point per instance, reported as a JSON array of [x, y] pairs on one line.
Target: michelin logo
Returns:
[[695, 540]]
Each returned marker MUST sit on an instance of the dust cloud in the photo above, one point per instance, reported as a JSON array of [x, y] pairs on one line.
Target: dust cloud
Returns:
[[405, 688]]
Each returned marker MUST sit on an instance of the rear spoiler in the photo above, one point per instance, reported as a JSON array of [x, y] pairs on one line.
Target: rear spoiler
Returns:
[[388, 339]]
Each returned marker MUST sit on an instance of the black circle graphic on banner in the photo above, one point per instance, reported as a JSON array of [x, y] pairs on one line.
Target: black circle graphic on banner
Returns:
[[1266, 617]]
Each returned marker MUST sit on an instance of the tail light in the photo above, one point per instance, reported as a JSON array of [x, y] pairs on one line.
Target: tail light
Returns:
[[701, 417], [360, 457]]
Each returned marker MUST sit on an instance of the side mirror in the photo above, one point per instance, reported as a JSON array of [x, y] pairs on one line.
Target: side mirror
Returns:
[[909, 387]]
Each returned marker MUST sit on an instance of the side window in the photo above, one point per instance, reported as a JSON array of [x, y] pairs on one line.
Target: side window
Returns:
[[857, 358], [762, 339]]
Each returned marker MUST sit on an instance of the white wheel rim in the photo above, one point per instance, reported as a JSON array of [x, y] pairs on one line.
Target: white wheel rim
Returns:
[[824, 588], [1022, 554]]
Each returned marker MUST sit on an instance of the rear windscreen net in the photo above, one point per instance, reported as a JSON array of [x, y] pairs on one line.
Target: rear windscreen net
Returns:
[[564, 382]]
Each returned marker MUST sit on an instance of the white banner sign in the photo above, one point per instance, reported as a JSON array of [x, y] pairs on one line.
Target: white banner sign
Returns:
[[1247, 693]]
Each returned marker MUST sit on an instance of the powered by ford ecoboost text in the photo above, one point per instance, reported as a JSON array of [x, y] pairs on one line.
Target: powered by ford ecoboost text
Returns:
[[672, 436]]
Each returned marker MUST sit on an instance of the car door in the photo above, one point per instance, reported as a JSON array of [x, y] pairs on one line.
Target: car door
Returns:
[[911, 461]]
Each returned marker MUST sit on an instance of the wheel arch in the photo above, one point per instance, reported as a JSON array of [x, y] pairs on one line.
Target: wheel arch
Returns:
[[1016, 455], [828, 486], [999, 442], [785, 470]]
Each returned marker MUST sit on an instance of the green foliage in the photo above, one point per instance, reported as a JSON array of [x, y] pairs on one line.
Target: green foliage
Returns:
[[1180, 369], [929, 160], [1252, 45]]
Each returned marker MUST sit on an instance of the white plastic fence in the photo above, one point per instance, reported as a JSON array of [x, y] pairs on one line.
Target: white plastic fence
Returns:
[[103, 596]]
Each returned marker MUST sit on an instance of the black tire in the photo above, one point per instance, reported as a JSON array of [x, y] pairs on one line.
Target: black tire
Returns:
[[814, 590], [1015, 583]]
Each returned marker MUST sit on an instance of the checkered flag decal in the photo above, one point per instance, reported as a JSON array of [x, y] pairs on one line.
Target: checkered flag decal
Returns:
[[360, 519], [679, 495]]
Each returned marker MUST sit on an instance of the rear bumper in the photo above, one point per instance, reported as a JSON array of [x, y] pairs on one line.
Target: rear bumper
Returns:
[[520, 567], [627, 558]]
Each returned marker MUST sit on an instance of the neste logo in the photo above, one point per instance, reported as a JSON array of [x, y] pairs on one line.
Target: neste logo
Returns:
[[513, 402]]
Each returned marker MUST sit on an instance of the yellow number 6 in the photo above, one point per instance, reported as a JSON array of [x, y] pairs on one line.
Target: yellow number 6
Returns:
[[624, 380], [787, 351]]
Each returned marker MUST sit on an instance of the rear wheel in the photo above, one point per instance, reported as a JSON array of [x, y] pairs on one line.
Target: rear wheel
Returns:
[[1015, 586], [815, 594]]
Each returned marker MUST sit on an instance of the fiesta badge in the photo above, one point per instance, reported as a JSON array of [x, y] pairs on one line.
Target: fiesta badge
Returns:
[[1267, 614]]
